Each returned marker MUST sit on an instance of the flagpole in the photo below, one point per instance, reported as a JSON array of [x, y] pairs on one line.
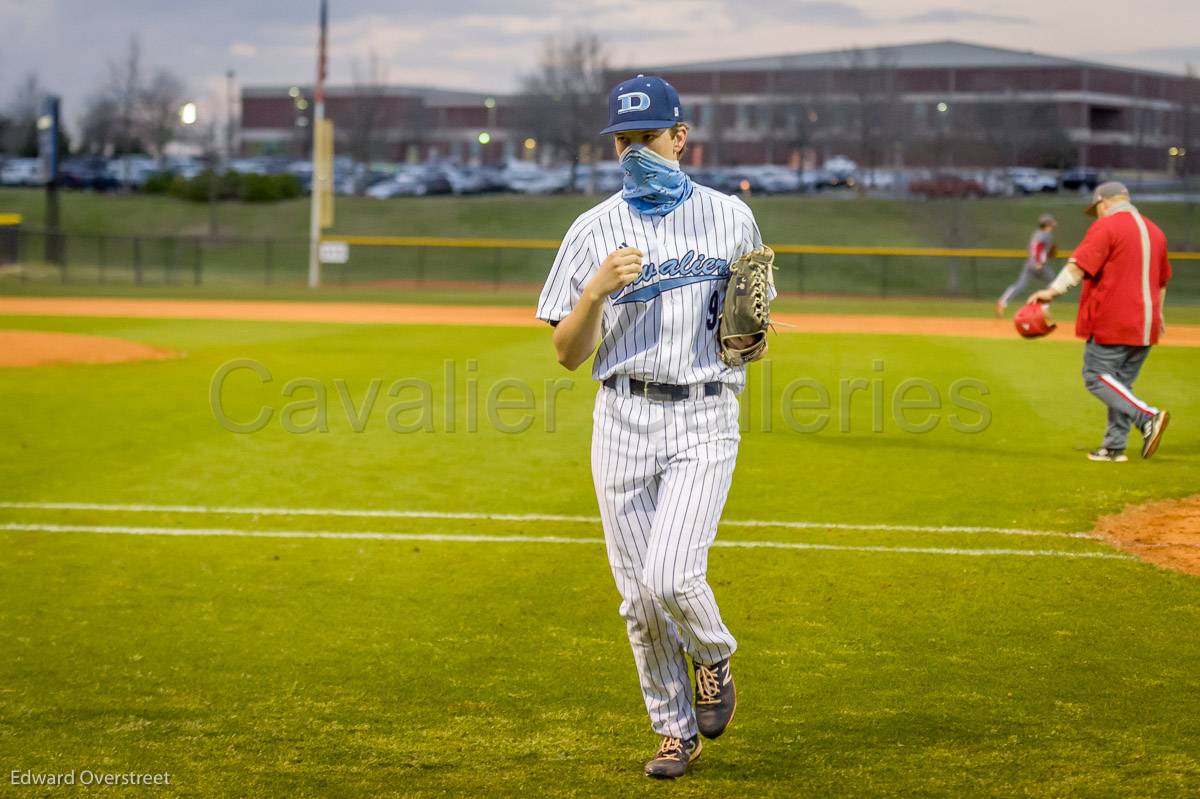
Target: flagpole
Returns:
[[314, 231]]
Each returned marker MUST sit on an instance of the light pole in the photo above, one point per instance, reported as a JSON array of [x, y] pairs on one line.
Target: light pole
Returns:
[[229, 76], [943, 124], [189, 115]]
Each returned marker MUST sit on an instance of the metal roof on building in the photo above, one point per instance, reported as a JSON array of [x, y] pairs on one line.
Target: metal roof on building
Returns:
[[431, 95], [931, 55]]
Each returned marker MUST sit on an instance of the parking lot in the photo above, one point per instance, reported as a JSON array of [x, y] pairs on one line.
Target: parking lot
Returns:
[[384, 180]]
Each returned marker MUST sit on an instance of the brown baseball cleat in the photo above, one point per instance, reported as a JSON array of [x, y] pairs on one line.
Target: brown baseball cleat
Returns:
[[1153, 431], [716, 698], [673, 757]]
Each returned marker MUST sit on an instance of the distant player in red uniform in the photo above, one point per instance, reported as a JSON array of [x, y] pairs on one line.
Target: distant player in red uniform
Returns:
[[1041, 249], [1122, 263]]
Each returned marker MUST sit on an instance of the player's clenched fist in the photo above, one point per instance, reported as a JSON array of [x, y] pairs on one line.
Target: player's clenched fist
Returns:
[[618, 270]]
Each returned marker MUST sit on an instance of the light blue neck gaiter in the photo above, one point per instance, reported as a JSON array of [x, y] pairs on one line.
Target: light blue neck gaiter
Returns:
[[653, 185]]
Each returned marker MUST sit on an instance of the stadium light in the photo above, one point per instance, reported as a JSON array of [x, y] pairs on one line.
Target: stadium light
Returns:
[[1174, 151], [301, 104], [942, 108], [294, 92], [485, 137], [187, 114], [530, 144], [489, 102]]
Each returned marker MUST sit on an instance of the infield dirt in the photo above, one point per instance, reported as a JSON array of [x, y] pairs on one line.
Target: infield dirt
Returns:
[[38, 348], [503, 316], [1164, 533]]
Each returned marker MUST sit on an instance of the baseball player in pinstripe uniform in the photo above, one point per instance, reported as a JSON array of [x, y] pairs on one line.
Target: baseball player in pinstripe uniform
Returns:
[[640, 280]]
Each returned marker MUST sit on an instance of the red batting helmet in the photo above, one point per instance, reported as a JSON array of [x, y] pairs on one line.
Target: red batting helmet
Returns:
[[1033, 320]]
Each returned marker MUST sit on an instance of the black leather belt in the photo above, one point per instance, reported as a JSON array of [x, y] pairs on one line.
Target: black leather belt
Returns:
[[664, 392]]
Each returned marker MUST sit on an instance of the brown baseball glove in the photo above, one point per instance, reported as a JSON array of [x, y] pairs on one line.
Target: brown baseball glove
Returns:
[[747, 312]]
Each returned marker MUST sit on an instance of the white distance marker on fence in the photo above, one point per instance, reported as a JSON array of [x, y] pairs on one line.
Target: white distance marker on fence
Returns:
[[334, 252]]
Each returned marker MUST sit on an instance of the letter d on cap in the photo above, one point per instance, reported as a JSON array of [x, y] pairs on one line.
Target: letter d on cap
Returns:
[[633, 101]]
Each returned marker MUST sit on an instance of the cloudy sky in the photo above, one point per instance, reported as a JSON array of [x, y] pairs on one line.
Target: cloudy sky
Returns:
[[473, 44]]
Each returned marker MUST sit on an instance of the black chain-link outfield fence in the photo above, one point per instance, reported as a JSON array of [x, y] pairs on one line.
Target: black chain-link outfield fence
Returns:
[[32, 256]]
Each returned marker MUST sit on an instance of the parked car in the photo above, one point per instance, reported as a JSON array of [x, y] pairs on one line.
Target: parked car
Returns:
[[809, 178], [704, 176], [838, 171], [250, 166], [435, 178], [773, 179], [735, 179], [947, 186], [729, 179], [879, 179], [404, 183], [606, 177], [529, 178], [841, 165], [21, 172], [465, 179], [133, 170], [87, 173], [185, 166], [493, 177], [1031, 181], [1080, 178]]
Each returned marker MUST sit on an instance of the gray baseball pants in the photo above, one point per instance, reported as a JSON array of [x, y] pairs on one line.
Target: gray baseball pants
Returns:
[[1108, 372]]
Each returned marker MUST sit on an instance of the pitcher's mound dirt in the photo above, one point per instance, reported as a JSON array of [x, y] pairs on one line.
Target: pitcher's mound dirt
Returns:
[[36, 348], [1164, 533]]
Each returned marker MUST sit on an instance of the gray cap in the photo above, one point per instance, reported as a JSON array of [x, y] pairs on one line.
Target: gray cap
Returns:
[[1047, 219], [1106, 191]]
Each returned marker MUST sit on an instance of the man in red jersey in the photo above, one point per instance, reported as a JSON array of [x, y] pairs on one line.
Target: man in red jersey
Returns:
[[1122, 263]]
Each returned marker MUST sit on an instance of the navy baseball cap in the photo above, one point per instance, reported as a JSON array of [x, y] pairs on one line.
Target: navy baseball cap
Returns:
[[645, 102]]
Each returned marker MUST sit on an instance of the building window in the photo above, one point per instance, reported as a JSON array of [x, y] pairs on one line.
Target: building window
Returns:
[[742, 120], [920, 116]]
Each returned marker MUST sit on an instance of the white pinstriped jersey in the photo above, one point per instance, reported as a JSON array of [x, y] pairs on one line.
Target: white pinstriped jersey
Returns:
[[662, 327]]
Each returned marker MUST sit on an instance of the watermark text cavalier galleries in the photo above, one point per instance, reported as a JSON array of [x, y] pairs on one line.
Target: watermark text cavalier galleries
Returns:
[[89, 777], [511, 405]]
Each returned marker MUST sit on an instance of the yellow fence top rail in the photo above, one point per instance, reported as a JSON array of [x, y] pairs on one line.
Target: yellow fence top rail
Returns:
[[795, 249], [10, 219], [437, 241]]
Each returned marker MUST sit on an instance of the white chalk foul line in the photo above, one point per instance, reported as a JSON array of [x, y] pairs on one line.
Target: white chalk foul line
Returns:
[[523, 539], [515, 517]]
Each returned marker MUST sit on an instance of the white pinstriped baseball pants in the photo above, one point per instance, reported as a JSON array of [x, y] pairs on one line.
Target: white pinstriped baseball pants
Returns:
[[662, 472]]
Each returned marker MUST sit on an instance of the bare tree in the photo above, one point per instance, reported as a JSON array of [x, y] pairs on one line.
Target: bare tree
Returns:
[[21, 133], [565, 96], [366, 113], [1049, 145], [876, 104], [98, 124], [1190, 133], [125, 89], [1190, 140], [127, 113], [158, 108]]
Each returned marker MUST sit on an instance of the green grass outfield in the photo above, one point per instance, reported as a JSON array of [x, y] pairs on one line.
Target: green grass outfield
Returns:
[[838, 218], [262, 667], [240, 261]]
